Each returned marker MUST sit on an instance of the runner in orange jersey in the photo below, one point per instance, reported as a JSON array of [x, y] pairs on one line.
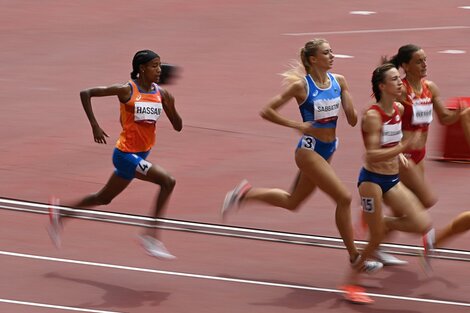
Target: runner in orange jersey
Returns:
[[142, 102]]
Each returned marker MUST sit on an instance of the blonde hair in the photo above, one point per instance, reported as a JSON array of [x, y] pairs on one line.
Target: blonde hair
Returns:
[[297, 69]]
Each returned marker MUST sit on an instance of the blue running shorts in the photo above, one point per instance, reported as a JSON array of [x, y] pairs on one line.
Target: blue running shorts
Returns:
[[127, 163], [386, 182], [325, 149]]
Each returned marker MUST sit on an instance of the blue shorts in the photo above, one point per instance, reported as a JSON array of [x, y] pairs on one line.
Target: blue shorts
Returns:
[[386, 182], [325, 149], [127, 163]]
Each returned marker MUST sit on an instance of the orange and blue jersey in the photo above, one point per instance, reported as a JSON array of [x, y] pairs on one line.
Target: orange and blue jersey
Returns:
[[418, 108], [138, 119]]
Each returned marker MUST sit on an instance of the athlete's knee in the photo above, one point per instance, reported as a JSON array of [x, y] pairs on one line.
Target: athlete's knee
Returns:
[[429, 202], [292, 205], [168, 183], [344, 200]]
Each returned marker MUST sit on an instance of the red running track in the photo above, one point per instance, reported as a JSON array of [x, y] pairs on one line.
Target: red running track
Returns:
[[231, 54]]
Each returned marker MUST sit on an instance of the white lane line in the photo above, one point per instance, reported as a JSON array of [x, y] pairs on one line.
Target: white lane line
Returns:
[[51, 306], [225, 279], [368, 31], [231, 231], [362, 12], [452, 51], [343, 56]]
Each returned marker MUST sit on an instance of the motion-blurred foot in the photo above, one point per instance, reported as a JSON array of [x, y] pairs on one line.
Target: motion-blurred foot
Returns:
[[155, 248]]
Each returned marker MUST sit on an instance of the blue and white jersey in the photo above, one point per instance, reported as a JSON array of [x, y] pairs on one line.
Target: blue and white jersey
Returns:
[[322, 105]]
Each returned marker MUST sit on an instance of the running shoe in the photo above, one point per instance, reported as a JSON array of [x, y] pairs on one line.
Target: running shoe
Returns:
[[369, 266], [55, 225], [428, 245], [387, 259], [356, 294], [155, 248], [233, 197]]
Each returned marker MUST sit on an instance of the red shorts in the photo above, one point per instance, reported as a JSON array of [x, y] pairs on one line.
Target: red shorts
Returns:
[[415, 155]]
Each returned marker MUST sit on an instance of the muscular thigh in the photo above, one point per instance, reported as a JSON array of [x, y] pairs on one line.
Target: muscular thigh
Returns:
[[371, 203], [302, 188], [155, 174], [402, 201], [320, 173], [412, 176]]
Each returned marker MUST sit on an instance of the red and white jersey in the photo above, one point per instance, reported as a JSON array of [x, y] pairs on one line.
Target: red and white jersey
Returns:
[[418, 108], [391, 133]]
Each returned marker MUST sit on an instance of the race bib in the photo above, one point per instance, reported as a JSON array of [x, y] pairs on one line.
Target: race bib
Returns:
[[307, 142], [368, 205], [391, 133], [143, 167], [147, 111], [326, 108], [422, 114]]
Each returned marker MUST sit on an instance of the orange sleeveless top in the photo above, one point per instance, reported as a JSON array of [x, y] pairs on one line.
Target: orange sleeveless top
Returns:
[[138, 120]]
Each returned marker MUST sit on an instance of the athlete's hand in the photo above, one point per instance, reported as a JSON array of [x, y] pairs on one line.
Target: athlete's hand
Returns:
[[306, 128], [403, 160], [99, 135]]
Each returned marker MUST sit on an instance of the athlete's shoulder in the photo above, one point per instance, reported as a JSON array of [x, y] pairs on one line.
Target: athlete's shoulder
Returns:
[[125, 87], [341, 80], [430, 85], [372, 112], [399, 107], [337, 76], [371, 119], [297, 87]]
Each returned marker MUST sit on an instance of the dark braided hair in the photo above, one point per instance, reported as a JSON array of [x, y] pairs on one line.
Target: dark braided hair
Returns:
[[141, 57]]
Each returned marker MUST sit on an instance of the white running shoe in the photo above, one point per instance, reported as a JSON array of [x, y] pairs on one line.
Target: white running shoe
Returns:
[[387, 259], [155, 248], [55, 225], [428, 244], [369, 266], [232, 198], [428, 241]]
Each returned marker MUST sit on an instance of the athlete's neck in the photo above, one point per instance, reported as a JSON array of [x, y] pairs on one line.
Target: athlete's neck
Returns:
[[320, 77], [386, 103], [415, 83], [144, 85]]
